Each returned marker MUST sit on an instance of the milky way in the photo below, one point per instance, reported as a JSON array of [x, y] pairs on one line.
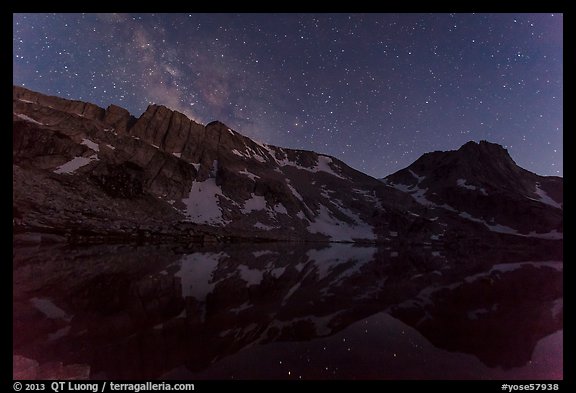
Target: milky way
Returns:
[[375, 91]]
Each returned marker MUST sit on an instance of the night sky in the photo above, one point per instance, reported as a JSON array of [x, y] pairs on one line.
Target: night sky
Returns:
[[375, 90]]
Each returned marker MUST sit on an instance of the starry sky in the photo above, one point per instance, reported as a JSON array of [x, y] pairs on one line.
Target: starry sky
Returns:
[[374, 90]]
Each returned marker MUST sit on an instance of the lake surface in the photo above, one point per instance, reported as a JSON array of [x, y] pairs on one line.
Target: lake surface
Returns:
[[279, 311]]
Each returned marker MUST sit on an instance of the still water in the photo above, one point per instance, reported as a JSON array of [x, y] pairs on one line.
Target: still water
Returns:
[[284, 312]]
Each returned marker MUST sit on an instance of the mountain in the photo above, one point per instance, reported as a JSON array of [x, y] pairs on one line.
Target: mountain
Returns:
[[482, 184], [82, 173], [89, 171], [463, 241]]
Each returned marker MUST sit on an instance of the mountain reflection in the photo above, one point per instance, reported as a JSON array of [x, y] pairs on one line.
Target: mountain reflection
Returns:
[[143, 312]]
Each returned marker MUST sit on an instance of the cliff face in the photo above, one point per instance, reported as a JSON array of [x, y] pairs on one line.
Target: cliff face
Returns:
[[482, 184], [455, 231], [80, 167], [81, 170]]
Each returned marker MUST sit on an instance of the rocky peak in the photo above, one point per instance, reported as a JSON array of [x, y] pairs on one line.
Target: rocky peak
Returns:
[[483, 164], [484, 146], [83, 109], [165, 170], [173, 132], [119, 119], [482, 183], [216, 123], [164, 164], [485, 153]]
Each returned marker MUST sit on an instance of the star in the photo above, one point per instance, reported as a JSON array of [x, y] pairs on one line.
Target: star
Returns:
[[396, 85]]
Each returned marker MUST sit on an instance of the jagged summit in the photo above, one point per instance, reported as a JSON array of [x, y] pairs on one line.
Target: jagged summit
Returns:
[[189, 174], [484, 146], [481, 182], [483, 164], [79, 168]]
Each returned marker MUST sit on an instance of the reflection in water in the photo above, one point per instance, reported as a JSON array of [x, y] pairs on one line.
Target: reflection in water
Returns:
[[283, 311]]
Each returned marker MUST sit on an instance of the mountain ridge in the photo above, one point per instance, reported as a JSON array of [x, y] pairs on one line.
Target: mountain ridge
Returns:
[[482, 180], [164, 176]]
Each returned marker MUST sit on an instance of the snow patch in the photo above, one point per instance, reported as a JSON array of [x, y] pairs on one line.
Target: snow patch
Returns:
[[277, 272], [297, 195], [552, 235], [49, 309], [328, 259], [242, 307], [251, 153], [285, 161], [416, 193], [425, 295], [58, 334], [290, 293], [280, 208], [321, 324], [508, 267], [259, 158], [202, 204], [337, 230], [257, 202], [251, 276], [74, 164], [91, 144], [462, 183], [448, 207], [264, 227], [545, 198], [178, 155], [420, 198], [28, 119], [249, 174], [196, 274], [299, 266], [324, 166], [492, 227], [369, 197], [110, 147], [557, 307], [418, 178], [236, 152], [258, 254]]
